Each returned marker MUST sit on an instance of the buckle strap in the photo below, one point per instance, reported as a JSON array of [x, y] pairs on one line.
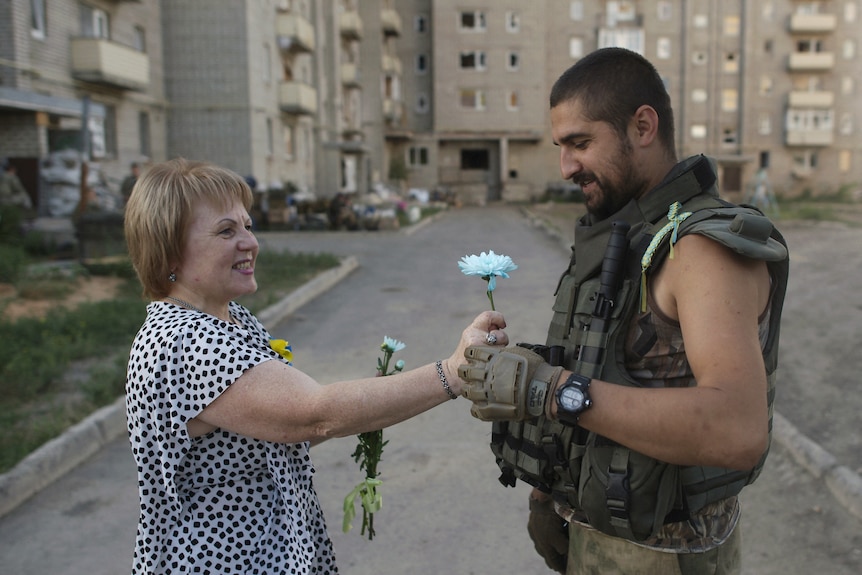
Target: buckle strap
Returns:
[[618, 493]]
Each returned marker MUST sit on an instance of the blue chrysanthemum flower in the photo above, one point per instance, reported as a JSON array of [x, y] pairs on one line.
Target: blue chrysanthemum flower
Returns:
[[391, 345], [488, 266]]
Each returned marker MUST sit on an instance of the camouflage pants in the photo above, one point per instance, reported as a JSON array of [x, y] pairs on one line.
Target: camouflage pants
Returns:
[[594, 553]]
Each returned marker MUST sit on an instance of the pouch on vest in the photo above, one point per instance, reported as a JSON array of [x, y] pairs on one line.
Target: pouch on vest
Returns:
[[625, 493]]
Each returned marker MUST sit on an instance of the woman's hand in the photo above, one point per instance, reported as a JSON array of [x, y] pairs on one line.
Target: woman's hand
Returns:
[[485, 329]]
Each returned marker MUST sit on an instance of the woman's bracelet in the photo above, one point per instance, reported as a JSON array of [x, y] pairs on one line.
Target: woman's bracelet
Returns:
[[444, 381]]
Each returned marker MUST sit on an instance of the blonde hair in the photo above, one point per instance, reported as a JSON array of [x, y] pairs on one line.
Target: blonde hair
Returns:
[[160, 208]]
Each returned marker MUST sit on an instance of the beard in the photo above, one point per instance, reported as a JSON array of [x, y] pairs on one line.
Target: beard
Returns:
[[616, 189]]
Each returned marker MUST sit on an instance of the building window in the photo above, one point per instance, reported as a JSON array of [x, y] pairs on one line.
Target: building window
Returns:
[[731, 25], [662, 48], [139, 39], [630, 38], [813, 120], [475, 159], [698, 95], [422, 104], [700, 21], [849, 49], [728, 137], [809, 46], [287, 136], [731, 63], [109, 126], [512, 103], [472, 21], [765, 88], [698, 131], [850, 12], [421, 64], [473, 60], [698, 58], [95, 23], [98, 147], [764, 124], [845, 126], [845, 160], [805, 162], [38, 23], [472, 99], [513, 22], [417, 156], [729, 100], [664, 11], [767, 46], [420, 24], [576, 10], [576, 47], [144, 139], [847, 85], [269, 137], [513, 61]]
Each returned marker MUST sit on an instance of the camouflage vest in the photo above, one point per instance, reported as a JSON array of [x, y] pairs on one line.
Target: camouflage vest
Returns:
[[622, 492]]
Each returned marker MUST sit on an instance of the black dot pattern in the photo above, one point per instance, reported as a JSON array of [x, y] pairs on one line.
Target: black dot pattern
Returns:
[[221, 503]]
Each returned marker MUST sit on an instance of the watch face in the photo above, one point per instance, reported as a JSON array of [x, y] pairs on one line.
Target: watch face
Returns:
[[571, 398]]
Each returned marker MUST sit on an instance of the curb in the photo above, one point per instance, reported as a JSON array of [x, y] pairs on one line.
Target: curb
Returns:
[[84, 439], [844, 484]]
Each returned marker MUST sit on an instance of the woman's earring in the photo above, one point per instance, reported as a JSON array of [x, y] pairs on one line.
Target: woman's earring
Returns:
[[172, 277]]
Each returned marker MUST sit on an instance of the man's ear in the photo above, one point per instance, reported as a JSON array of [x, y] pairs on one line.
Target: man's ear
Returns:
[[645, 121]]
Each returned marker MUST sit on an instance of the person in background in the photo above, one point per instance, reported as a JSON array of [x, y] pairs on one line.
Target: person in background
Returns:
[[649, 406], [128, 183], [12, 191], [220, 423], [16, 207]]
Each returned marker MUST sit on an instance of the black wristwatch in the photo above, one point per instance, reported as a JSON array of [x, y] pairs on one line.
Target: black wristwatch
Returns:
[[573, 398]]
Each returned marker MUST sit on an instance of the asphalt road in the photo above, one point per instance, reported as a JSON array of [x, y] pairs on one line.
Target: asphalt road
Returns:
[[444, 511]]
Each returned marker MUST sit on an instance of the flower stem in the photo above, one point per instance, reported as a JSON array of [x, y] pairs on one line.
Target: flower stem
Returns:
[[491, 299]]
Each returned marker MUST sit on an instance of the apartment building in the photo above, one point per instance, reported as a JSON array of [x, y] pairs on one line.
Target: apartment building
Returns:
[[298, 94], [762, 85], [84, 76], [322, 96]]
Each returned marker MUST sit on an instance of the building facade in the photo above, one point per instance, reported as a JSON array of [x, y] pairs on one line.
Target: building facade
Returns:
[[82, 76], [327, 96], [763, 87]]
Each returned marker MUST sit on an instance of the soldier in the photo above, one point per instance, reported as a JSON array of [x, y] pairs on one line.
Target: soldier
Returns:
[[12, 191], [649, 407]]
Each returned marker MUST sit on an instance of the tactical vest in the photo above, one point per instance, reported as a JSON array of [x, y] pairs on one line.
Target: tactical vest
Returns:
[[622, 492]]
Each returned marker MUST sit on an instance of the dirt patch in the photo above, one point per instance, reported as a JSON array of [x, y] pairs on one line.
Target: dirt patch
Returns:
[[91, 289]]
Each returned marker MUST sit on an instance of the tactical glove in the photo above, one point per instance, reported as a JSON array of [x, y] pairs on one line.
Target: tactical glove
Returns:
[[550, 534], [509, 384]]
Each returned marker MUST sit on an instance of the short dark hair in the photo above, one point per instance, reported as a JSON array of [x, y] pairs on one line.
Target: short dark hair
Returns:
[[611, 84]]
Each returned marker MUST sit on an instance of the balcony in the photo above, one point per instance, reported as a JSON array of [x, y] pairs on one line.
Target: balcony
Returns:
[[391, 22], [808, 137], [350, 25], [295, 33], [813, 23], [818, 99], [391, 65], [811, 61], [104, 62], [350, 75], [297, 98]]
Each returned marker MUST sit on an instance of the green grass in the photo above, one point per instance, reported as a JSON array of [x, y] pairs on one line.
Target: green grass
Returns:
[[39, 398]]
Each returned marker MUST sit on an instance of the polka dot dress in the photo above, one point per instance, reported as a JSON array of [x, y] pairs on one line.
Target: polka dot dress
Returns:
[[221, 503]]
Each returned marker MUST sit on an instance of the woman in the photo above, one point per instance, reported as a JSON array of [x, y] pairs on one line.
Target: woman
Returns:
[[220, 425]]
